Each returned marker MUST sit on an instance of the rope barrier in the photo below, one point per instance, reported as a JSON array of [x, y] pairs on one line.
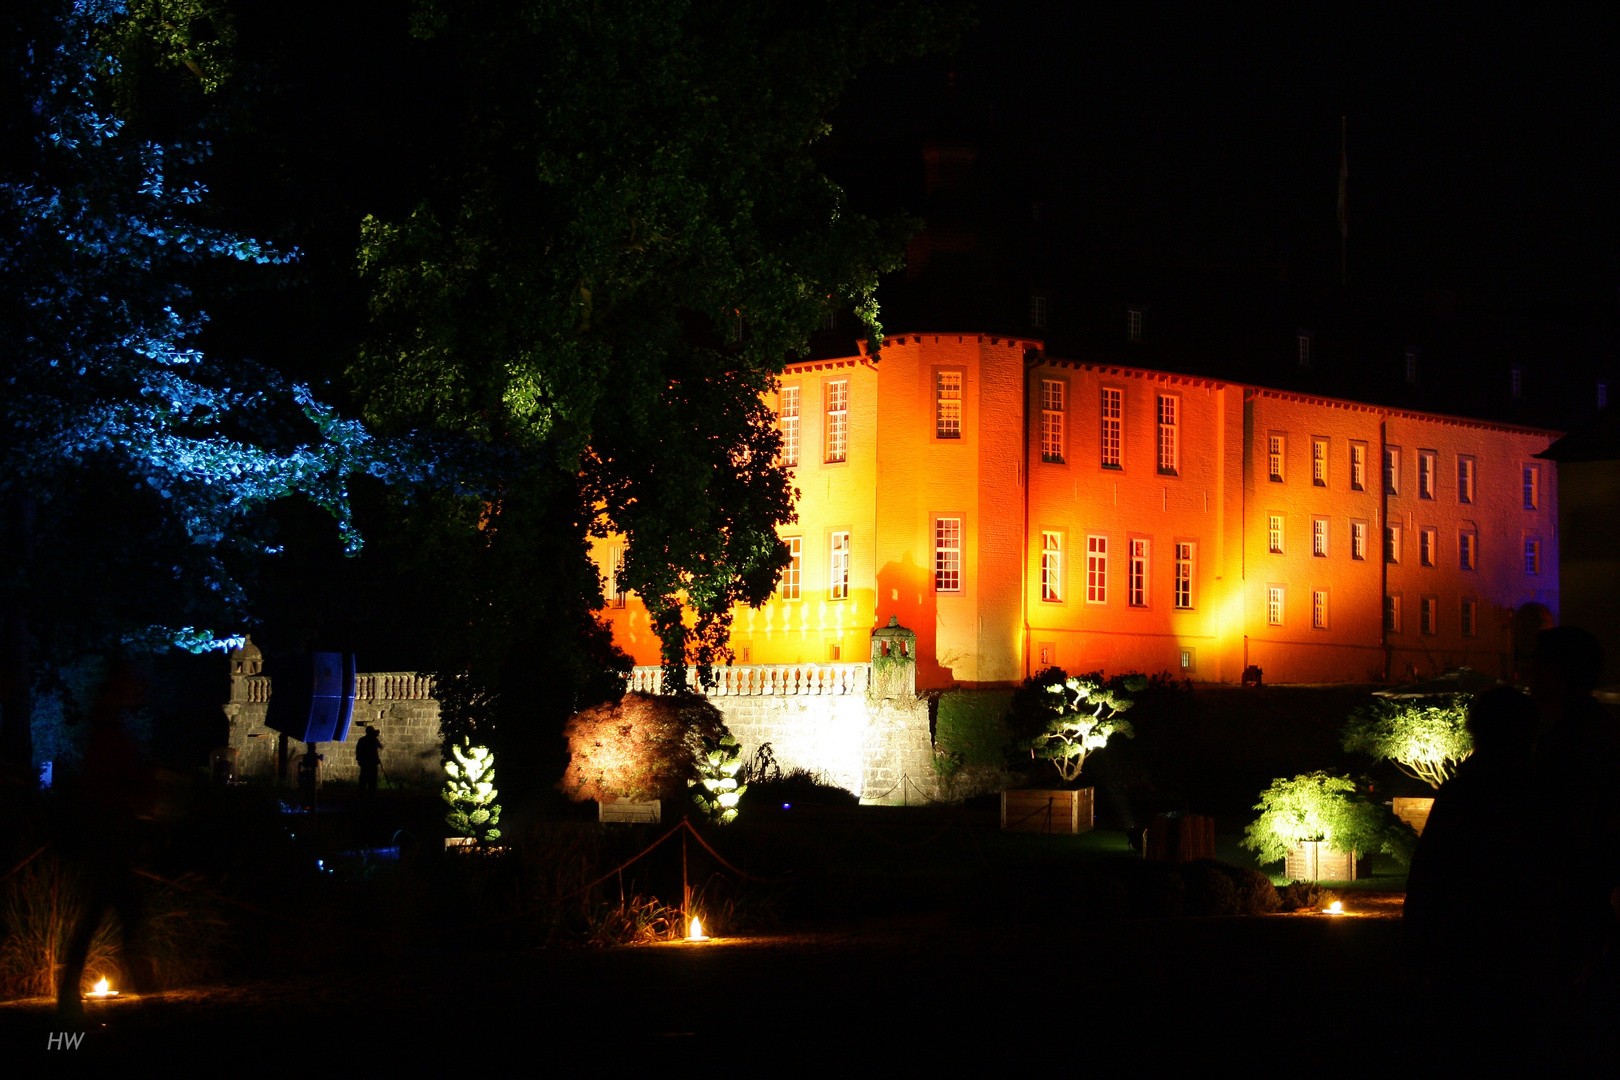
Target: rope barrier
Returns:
[[740, 873]]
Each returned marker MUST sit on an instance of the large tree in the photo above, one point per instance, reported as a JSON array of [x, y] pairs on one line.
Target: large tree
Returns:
[[630, 238], [134, 468]]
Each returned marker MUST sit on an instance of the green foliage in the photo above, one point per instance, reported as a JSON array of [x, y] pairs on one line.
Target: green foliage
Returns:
[[631, 237], [641, 747], [716, 789], [971, 726], [1065, 719], [470, 793], [1425, 740], [1320, 806]]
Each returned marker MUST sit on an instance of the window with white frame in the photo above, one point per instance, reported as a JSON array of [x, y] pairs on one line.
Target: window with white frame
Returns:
[[1392, 614], [1052, 419], [1516, 381], [1465, 479], [1392, 470], [948, 554], [838, 571], [1274, 533], [1411, 365], [1532, 556], [1425, 474], [1532, 487], [1169, 433], [948, 404], [1358, 540], [1358, 466], [1113, 417], [1274, 605], [1467, 617], [795, 568], [1133, 324], [1052, 566], [1138, 591], [616, 590], [1184, 574], [788, 416], [1304, 350], [1037, 311], [1096, 569], [837, 433], [1426, 546], [1319, 462], [1319, 609], [1319, 537], [1274, 458], [1427, 615], [1392, 543], [1467, 543]]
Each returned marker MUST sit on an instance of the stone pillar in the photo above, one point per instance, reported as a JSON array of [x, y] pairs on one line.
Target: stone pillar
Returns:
[[899, 755], [894, 663]]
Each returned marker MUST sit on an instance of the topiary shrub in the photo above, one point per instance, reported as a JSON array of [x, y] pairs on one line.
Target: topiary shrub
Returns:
[[1256, 895], [1305, 896], [1425, 740], [1064, 720], [1206, 890]]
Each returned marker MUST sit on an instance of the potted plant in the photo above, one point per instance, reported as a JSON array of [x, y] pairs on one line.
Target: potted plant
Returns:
[[1426, 739], [1064, 720], [1317, 824]]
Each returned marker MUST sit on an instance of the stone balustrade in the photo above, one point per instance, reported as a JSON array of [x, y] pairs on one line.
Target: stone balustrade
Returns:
[[762, 680], [368, 686]]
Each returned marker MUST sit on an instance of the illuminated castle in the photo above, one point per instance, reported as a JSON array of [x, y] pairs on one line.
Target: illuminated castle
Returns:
[[1020, 511]]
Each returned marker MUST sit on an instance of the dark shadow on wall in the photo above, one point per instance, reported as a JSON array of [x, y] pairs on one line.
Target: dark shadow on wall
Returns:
[[906, 591], [1528, 621]]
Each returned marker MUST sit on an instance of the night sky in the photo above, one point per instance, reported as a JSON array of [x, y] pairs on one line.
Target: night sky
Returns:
[[1184, 159]]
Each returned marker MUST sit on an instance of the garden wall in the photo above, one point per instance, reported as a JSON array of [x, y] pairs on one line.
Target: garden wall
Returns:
[[398, 703]]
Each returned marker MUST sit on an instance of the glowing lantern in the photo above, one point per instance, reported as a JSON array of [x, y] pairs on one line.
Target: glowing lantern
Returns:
[[101, 991], [695, 931]]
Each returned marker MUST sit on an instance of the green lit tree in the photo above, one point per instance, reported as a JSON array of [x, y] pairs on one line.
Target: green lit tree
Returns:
[[1425, 740], [1321, 806], [470, 793], [1064, 719], [716, 790]]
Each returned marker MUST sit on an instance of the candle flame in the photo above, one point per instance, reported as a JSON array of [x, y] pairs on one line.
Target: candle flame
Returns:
[[695, 931], [101, 991]]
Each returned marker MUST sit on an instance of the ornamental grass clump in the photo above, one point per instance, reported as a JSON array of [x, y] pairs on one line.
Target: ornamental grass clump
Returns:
[[1425, 741], [1322, 807], [470, 792]]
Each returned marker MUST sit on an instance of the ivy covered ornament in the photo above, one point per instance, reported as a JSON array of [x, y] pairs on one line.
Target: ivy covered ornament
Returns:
[[470, 792]]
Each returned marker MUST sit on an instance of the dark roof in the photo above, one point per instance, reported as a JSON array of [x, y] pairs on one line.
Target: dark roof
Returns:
[[1597, 441]]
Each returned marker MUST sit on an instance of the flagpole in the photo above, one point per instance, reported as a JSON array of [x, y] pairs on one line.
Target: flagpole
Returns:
[[1344, 209]]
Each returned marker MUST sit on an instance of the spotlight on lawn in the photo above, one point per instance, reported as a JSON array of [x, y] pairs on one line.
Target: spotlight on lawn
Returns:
[[1335, 908], [695, 931], [100, 990]]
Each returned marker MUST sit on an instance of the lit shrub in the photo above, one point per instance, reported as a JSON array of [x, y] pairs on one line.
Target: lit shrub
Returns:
[[641, 747], [1325, 808]]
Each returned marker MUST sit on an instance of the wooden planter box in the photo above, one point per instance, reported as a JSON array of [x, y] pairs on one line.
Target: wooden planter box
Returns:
[[1180, 838], [1027, 810], [1315, 861], [624, 810], [1415, 812]]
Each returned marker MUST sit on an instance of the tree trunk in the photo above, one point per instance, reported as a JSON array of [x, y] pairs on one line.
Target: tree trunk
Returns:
[[16, 697]]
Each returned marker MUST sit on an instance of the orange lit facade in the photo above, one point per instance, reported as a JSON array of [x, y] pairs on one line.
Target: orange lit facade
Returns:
[[1020, 511]]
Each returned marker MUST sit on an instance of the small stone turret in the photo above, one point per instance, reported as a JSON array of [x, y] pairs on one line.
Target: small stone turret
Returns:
[[894, 662]]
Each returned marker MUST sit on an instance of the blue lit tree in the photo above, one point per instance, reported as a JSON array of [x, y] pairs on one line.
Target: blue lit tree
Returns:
[[132, 467]]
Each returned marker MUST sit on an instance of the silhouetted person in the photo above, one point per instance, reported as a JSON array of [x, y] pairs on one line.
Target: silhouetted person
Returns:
[[1458, 920], [368, 755], [309, 769], [1577, 799], [105, 813]]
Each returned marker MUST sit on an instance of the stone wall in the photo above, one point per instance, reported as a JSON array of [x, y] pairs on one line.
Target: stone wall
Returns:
[[399, 704]]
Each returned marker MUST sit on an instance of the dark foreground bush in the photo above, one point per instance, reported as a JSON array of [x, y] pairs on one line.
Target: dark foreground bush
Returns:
[[797, 787], [1305, 896]]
